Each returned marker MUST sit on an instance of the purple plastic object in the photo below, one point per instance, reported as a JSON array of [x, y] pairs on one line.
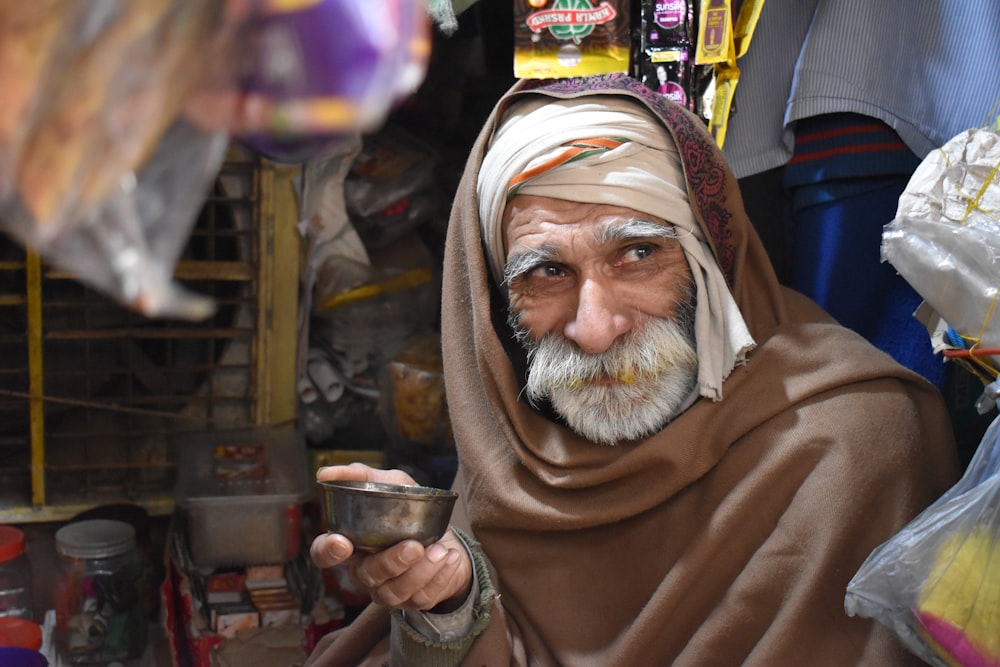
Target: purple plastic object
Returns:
[[12, 656], [327, 68]]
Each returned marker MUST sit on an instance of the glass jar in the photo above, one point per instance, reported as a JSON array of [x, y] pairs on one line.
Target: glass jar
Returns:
[[15, 574], [100, 616]]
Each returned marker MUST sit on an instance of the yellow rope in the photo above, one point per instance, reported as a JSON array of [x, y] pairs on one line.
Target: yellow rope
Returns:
[[973, 204]]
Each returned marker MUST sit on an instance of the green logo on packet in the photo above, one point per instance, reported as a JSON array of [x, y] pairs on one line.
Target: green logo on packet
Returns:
[[576, 32]]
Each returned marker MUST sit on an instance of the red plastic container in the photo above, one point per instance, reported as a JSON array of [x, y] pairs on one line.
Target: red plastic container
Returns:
[[15, 574]]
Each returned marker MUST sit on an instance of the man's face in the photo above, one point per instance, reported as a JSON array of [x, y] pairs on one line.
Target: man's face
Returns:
[[601, 296]]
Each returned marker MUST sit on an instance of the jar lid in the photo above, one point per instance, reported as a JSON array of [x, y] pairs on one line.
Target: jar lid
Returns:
[[11, 543], [20, 633], [95, 538]]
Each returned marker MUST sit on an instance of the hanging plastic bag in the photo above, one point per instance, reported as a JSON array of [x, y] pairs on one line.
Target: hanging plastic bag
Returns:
[[945, 241], [936, 583], [116, 116], [99, 171]]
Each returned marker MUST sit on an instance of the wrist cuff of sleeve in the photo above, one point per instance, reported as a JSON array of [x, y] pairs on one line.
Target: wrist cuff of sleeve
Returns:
[[409, 639]]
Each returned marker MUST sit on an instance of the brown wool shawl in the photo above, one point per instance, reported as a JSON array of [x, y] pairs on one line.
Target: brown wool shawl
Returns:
[[728, 537]]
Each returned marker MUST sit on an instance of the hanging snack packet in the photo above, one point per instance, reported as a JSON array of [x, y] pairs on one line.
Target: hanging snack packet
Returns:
[[564, 38], [99, 174]]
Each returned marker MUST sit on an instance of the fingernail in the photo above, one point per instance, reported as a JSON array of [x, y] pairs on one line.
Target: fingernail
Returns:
[[410, 554], [338, 550], [436, 553], [453, 556]]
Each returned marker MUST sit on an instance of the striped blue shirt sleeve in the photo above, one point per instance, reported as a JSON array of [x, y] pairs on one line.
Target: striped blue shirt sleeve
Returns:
[[929, 69]]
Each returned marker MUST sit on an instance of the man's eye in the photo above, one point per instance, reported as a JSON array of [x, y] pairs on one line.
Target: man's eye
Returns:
[[638, 252], [546, 271], [538, 274]]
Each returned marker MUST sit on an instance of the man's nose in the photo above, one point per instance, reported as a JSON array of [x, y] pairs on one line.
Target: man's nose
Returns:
[[600, 317]]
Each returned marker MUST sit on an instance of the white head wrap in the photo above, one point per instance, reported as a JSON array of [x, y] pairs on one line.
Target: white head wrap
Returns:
[[643, 173]]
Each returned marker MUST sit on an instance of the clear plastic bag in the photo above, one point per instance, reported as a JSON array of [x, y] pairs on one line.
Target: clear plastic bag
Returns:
[[945, 239], [116, 116], [936, 583], [99, 172]]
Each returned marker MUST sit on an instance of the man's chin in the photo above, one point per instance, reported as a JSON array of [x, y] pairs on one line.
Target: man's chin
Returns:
[[624, 413], [596, 424], [609, 435], [623, 394], [612, 435]]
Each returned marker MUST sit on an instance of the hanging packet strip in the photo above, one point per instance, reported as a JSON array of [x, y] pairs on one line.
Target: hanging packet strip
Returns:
[[721, 44], [564, 38], [667, 72], [715, 35], [663, 60], [666, 23]]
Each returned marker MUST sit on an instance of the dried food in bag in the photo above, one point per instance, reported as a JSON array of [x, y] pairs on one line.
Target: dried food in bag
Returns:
[[418, 399], [107, 107]]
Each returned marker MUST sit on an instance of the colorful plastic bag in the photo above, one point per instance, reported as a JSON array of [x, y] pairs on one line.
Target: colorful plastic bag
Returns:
[[320, 70], [936, 583], [116, 116], [99, 172]]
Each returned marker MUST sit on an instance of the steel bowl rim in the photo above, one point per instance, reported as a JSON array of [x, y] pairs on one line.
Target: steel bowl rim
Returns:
[[385, 490]]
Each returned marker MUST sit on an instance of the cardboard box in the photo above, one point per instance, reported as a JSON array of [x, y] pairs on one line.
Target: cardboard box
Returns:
[[228, 619], [225, 588]]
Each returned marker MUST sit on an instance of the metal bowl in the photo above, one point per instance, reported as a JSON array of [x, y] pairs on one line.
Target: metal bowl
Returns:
[[374, 516]]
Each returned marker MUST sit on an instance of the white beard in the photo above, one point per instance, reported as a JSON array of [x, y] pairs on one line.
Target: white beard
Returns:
[[656, 370]]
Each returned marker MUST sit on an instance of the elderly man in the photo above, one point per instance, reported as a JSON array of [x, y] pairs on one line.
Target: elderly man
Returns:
[[665, 457]]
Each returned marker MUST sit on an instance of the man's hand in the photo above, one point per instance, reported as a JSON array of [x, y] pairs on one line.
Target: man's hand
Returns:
[[406, 575]]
